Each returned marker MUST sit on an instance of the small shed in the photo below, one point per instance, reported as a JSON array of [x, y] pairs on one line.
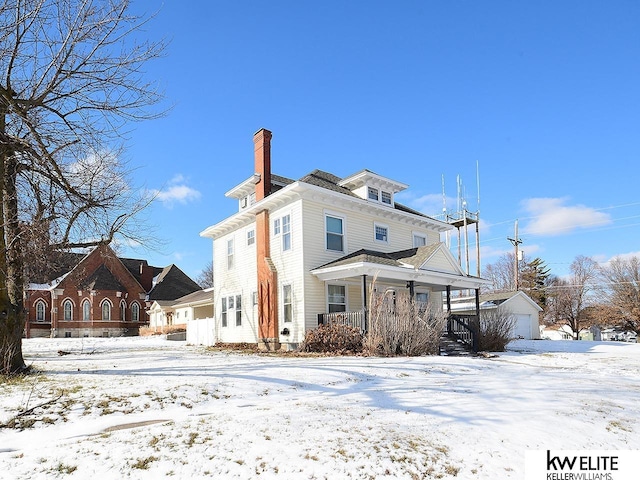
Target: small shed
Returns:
[[518, 303]]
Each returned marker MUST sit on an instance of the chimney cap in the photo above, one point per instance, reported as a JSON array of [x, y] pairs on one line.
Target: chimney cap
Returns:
[[263, 131]]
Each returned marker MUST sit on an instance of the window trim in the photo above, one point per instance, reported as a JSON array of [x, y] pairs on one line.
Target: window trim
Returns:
[[376, 226], [343, 235], [251, 237]]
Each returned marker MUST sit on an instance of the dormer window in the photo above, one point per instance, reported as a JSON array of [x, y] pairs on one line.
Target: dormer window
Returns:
[[247, 201], [379, 195]]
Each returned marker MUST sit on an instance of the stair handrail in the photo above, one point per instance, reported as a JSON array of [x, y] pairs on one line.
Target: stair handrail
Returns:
[[464, 328]]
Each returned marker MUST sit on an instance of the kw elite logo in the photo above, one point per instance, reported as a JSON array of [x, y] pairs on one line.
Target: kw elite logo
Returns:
[[581, 465]]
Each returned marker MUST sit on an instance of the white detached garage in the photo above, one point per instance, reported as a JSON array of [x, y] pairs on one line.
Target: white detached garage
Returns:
[[519, 304]]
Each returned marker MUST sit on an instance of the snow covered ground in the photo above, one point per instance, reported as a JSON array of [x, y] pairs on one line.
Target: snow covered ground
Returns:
[[149, 408]]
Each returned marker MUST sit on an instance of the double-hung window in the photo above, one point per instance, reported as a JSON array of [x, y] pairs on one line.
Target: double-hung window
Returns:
[[282, 228], [381, 233], [251, 237], [337, 298], [224, 311], [287, 303], [334, 227], [286, 233], [419, 240], [385, 197], [372, 193], [230, 254], [238, 310], [231, 308]]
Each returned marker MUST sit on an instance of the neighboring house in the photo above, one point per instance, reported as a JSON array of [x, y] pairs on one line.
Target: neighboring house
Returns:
[[299, 251], [193, 306], [525, 311], [98, 294], [563, 332]]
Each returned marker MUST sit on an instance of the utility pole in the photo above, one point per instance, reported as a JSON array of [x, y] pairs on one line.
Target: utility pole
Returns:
[[516, 241]]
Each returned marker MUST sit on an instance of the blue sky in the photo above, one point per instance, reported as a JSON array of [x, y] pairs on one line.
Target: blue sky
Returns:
[[541, 98]]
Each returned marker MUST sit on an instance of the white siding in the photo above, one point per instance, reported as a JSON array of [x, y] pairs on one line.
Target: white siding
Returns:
[[441, 263], [359, 233], [240, 280], [289, 266]]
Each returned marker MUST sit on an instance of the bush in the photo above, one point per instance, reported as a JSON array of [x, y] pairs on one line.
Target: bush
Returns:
[[333, 338], [148, 331], [496, 330], [400, 326]]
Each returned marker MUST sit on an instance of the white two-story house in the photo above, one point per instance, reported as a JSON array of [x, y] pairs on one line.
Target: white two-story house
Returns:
[[298, 250]]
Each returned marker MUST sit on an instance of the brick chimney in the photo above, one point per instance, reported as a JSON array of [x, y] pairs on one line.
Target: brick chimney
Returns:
[[266, 271], [262, 155]]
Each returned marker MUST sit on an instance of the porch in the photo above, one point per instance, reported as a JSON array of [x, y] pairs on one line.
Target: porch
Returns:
[[428, 274], [463, 329]]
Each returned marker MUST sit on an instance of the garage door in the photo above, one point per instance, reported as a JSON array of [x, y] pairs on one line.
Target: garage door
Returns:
[[523, 327]]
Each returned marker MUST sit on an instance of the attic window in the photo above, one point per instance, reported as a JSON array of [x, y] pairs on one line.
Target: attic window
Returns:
[[386, 198], [372, 193]]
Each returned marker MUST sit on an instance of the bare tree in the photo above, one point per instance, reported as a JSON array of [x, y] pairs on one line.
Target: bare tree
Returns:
[[205, 277], [568, 298], [621, 289], [70, 81]]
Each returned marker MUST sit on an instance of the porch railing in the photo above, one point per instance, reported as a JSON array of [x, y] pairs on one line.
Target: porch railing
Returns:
[[356, 319], [464, 328]]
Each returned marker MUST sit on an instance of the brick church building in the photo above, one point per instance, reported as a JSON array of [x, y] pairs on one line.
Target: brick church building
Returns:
[[100, 295]]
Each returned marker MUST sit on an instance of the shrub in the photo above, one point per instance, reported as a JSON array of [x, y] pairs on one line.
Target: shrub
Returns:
[[333, 338], [147, 331], [400, 326], [496, 329]]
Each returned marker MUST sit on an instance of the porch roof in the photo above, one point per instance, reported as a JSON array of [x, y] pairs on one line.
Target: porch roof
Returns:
[[404, 265]]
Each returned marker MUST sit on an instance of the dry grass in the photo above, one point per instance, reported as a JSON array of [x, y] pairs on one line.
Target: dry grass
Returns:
[[148, 331], [400, 326]]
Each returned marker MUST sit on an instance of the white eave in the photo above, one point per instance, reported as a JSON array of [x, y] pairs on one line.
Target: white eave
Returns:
[[328, 197], [365, 177], [245, 188], [429, 277]]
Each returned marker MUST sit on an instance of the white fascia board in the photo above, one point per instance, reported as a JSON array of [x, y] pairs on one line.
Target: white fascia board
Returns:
[[297, 189], [245, 188], [397, 273], [366, 177], [248, 215], [381, 212]]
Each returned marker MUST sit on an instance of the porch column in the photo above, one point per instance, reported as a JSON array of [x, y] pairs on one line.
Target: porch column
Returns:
[[364, 303], [448, 299], [411, 285]]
